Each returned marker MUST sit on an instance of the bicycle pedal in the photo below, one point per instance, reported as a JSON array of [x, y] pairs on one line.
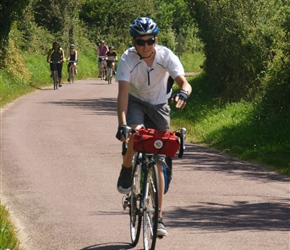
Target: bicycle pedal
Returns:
[[125, 202]]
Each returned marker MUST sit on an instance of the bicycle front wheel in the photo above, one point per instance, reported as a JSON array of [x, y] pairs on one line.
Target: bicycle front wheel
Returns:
[[71, 75], [150, 203], [135, 213], [55, 79], [110, 75]]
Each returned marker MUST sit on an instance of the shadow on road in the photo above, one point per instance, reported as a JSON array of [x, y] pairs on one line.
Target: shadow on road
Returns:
[[271, 215], [201, 158], [109, 246], [266, 216], [106, 106]]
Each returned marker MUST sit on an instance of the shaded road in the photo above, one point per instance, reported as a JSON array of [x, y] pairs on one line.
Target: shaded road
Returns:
[[60, 162]]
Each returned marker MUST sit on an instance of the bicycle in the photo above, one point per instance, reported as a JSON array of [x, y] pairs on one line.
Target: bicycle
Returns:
[[143, 200], [55, 74], [103, 68], [71, 72], [110, 70]]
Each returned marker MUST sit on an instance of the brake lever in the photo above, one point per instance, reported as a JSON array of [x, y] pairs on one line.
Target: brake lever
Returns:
[[127, 130], [182, 134]]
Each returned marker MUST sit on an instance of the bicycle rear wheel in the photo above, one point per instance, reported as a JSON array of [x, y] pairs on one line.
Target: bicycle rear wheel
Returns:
[[150, 214], [135, 202], [55, 79]]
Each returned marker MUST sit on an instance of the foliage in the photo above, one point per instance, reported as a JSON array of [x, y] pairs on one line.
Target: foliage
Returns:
[[244, 42], [239, 129], [112, 26], [9, 12]]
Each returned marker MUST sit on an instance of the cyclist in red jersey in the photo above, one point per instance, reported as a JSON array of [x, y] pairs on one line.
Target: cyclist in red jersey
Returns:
[[101, 51]]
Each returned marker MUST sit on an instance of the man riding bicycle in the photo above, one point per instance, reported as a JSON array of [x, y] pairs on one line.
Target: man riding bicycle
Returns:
[[101, 52], [111, 58], [145, 75], [56, 53], [72, 58]]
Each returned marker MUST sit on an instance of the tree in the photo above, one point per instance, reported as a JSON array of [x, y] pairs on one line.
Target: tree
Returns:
[[9, 12]]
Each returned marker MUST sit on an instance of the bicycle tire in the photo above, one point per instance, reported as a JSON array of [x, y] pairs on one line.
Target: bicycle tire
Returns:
[[151, 207], [135, 203], [71, 75], [102, 73], [55, 80], [110, 72]]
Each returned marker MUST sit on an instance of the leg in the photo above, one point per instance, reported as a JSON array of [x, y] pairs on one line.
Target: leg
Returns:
[[100, 69], [161, 188], [59, 70], [161, 231]]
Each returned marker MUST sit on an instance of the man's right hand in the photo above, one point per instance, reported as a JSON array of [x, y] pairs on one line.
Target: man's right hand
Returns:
[[121, 132]]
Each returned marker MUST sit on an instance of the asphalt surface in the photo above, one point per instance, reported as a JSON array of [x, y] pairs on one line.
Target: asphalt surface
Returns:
[[60, 162]]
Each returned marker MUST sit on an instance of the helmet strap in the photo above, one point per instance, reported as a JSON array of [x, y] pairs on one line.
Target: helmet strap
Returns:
[[144, 57]]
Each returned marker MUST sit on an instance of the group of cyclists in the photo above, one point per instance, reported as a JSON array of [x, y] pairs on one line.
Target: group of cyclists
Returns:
[[106, 58], [145, 75], [56, 54]]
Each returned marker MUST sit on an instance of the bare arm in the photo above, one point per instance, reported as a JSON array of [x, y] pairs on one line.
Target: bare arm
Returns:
[[48, 55], [122, 102]]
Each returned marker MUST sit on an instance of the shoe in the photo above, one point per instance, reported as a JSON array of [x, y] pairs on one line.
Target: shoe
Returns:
[[59, 85], [161, 231], [124, 181], [106, 79], [68, 79]]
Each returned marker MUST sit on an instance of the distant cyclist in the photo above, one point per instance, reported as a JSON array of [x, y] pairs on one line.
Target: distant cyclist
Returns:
[[56, 53], [101, 51], [111, 58], [72, 56]]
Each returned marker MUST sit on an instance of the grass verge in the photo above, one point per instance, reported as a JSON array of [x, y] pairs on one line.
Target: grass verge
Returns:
[[240, 129], [8, 239]]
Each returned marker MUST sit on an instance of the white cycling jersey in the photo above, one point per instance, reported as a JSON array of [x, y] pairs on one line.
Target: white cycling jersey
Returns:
[[149, 84]]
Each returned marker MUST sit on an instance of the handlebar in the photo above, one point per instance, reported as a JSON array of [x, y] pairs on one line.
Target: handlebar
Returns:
[[102, 57], [126, 131], [56, 61], [181, 133]]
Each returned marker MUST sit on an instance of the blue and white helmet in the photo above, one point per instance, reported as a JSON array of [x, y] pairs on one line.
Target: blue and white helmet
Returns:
[[143, 26]]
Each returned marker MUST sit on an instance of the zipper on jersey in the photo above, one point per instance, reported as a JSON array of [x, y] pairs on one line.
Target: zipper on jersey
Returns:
[[148, 73]]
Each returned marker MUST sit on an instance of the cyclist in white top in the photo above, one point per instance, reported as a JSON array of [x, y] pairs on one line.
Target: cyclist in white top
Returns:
[[145, 75]]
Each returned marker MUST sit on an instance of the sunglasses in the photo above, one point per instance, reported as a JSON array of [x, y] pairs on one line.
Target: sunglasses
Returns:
[[71, 47], [141, 42]]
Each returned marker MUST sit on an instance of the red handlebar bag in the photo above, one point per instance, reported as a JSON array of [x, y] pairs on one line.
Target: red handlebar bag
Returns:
[[156, 142]]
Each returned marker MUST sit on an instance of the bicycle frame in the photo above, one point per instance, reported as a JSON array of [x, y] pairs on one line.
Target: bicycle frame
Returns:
[[110, 71], [143, 200], [103, 68], [71, 72], [55, 74]]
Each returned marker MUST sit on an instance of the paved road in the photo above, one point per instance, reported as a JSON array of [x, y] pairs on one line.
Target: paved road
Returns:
[[60, 162]]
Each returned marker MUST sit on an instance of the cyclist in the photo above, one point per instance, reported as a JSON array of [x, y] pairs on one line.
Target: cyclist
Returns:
[[145, 76], [101, 51], [72, 56], [111, 55], [56, 53]]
